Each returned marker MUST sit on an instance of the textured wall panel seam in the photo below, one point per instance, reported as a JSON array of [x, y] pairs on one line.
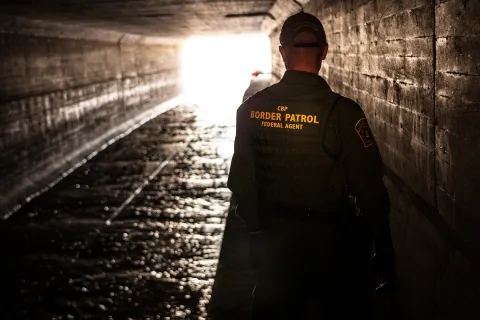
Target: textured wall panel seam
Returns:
[[383, 16], [464, 74], [14, 98], [17, 25], [120, 86]]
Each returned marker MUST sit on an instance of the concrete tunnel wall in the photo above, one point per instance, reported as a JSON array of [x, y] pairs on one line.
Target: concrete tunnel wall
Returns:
[[63, 93], [414, 67]]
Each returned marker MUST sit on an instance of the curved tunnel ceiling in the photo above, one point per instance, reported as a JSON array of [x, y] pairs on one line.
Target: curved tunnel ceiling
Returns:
[[157, 18]]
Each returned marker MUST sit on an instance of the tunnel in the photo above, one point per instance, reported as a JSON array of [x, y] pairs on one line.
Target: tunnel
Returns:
[[114, 198]]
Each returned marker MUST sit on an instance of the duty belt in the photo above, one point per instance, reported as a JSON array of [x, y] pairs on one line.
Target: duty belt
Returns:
[[310, 214]]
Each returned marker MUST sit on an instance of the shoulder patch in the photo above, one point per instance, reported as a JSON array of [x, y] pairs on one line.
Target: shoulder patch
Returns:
[[364, 132]]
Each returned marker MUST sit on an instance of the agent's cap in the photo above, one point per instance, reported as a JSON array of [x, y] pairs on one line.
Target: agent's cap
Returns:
[[298, 23]]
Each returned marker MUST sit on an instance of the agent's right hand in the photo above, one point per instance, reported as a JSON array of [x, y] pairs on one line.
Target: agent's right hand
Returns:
[[384, 261], [384, 272]]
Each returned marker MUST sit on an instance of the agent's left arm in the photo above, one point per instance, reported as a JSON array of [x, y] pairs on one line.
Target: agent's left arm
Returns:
[[241, 179]]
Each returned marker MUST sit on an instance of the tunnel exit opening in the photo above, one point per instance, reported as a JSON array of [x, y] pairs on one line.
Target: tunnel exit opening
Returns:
[[217, 70]]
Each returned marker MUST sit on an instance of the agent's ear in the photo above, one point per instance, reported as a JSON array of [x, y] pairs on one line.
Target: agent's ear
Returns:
[[325, 51]]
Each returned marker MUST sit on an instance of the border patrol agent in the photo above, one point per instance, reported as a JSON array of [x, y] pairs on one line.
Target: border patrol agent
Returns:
[[298, 147]]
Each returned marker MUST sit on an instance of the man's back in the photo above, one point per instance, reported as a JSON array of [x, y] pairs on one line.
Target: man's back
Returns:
[[306, 144], [299, 150], [285, 125]]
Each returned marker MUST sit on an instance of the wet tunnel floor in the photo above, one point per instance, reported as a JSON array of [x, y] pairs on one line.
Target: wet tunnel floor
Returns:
[[173, 248], [164, 188]]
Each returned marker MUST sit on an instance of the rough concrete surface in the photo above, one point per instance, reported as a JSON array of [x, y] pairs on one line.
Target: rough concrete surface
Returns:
[[58, 94], [413, 67], [158, 257], [172, 18], [144, 230], [70, 71]]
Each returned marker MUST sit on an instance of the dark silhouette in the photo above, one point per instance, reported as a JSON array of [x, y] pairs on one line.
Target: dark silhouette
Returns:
[[301, 151]]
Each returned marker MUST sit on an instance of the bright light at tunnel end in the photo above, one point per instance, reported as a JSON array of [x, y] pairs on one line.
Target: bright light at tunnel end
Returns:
[[216, 70]]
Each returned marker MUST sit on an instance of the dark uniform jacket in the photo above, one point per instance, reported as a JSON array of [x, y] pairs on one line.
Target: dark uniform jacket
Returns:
[[298, 144]]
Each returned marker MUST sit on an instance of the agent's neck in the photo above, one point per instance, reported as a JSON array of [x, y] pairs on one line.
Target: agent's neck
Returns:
[[304, 69]]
